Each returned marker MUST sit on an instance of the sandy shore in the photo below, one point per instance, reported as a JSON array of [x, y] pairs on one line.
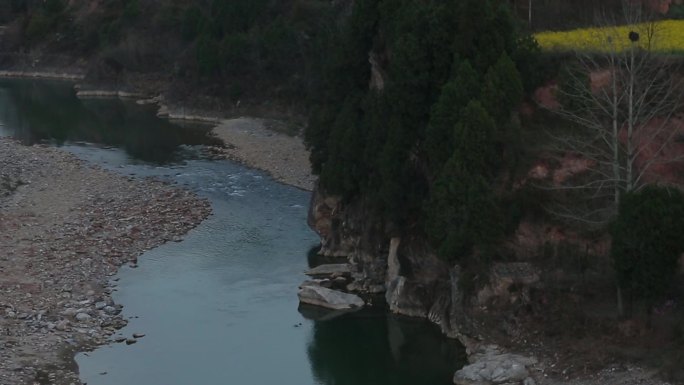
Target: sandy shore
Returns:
[[252, 142], [65, 228]]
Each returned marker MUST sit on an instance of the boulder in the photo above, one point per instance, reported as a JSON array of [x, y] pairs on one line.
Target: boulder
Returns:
[[317, 313], [328, 298], [83, 317], [490, 366], [329, 270]]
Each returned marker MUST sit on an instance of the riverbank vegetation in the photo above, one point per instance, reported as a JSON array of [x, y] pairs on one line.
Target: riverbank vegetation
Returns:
[[209, 54], [426, 146]]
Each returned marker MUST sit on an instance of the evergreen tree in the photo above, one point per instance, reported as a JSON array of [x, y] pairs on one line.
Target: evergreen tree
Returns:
[[647, 241], [208, 58], [483, 34], [345, 71], [192, 23], [503, 89], [474, 136], [456, 94], [343, 171], [462, 211], [449, 92]]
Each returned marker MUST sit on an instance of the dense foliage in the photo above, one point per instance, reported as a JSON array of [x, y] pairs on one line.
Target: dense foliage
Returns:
[[428, 150], [262, 48], [647, 241]]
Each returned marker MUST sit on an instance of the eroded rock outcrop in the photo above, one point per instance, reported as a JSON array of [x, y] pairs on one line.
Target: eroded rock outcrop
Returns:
[[330, 270], [414, 281]]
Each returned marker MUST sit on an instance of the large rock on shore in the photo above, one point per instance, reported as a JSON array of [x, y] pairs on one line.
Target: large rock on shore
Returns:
[[330, 270], [490, 366], [328, 298]]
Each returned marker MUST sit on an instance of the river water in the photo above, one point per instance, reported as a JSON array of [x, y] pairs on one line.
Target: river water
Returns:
[[220, 307]]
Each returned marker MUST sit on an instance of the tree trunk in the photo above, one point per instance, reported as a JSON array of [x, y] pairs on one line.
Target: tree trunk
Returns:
[[615, 134], [620, 302], [529, 14], [630, 125]]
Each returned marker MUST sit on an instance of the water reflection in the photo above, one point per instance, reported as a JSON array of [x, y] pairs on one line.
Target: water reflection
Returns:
[[370, 348], [38, 112]]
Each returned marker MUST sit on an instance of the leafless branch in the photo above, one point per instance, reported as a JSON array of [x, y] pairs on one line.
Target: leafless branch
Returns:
[[624, 119]]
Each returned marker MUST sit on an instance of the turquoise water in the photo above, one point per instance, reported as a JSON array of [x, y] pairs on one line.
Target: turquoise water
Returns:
[[220, 307]]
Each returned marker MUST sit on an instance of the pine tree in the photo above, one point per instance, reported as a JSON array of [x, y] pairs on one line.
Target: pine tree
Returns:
[[343, 171], [456, 94], [462, 211], [503, 89], [474, 146], [647, 241]]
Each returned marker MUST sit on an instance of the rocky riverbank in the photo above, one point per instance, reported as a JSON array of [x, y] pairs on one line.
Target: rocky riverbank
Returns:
[[253, 142], [259, 143], [518, 329], [65, 228]]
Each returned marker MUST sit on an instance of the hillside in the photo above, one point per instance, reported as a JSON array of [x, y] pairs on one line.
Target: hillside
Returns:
[[206, 55]]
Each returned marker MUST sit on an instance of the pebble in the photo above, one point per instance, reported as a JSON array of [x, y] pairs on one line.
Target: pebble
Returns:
[[66, 228]]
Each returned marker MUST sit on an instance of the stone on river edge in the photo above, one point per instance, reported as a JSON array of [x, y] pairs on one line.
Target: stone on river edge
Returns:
[[333, 269], [493, 367], [331, 299]]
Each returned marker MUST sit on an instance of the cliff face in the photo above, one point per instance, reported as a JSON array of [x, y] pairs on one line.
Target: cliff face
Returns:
[[413, 280]]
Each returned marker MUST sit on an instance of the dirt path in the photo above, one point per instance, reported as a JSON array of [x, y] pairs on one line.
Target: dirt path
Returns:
[[65, 227]]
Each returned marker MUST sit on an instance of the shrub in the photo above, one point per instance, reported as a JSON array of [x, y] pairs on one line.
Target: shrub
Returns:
[[236, 54], [647, 241], [192, 23], [208, 55], [53, 7], [38, 26], [676, 11]]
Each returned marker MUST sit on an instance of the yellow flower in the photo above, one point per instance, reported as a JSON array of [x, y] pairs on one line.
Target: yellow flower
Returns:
[[665, 36]]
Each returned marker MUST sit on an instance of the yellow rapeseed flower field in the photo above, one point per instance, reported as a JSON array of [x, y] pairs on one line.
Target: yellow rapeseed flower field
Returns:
[[665, 36]]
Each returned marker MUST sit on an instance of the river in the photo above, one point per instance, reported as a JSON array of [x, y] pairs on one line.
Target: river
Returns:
[[219, 307]]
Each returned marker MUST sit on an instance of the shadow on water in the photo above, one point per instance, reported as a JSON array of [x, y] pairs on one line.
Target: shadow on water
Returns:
[[369, 348], [50, 112]]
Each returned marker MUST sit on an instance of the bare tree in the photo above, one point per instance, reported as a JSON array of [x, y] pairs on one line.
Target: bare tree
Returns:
[[622, 100]]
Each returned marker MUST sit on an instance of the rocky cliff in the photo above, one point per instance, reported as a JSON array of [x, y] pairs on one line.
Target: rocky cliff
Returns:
[[413, 280]]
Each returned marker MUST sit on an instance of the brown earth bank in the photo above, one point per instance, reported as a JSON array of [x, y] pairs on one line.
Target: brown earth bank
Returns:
[[65, 228]]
